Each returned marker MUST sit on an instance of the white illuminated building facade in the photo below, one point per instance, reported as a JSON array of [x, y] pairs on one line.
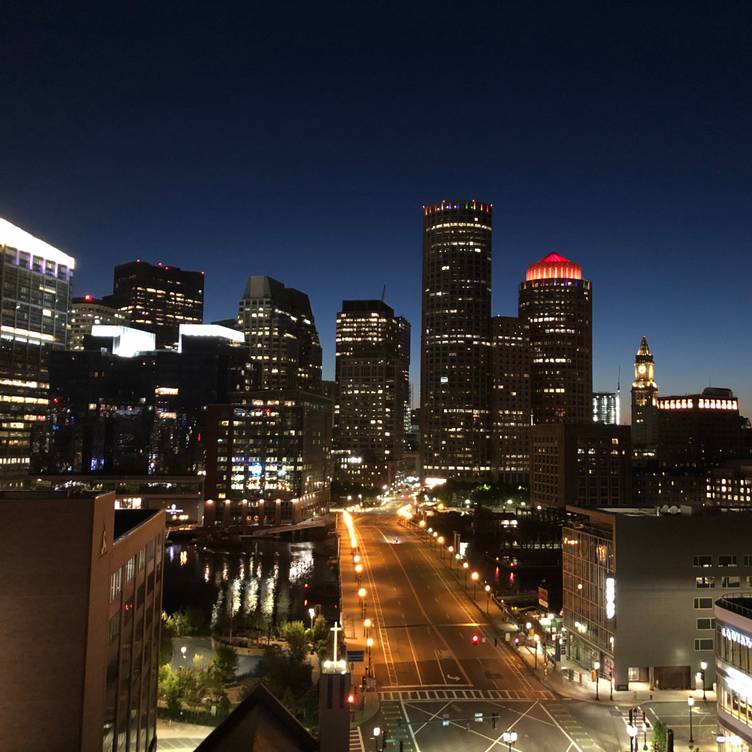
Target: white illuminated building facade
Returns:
[[733, 618], [35, 281]]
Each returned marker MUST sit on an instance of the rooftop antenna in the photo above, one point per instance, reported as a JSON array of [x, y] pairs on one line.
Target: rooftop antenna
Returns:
[[383, 293], [618, 398]]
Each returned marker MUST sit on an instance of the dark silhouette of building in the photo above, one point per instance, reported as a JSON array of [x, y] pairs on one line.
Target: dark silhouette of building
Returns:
[[373, 388], [86, 312], [587, 464], [281, 334], [35, 281], [644, 404], [158, 298], [144, 413], [699, 430], [268, 460], [556, 303], [456, 340], [510, 399], [82, 601]]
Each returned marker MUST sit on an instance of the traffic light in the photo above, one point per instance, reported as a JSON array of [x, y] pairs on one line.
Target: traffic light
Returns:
[[475, 638], [351, 698]]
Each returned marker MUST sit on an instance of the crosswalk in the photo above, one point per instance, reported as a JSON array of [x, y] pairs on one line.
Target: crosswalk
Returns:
[[398, 729], [434, 695], [575, 731], [356, 740]]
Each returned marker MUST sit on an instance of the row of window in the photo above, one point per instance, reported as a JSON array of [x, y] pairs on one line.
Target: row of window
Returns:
[[724, 560], [727, 581]]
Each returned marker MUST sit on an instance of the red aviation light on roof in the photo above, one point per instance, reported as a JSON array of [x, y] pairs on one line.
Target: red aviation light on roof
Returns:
[[553, 266]]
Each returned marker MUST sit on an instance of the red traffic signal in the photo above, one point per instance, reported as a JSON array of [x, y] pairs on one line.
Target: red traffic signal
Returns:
[[475, 639], [351, 698]]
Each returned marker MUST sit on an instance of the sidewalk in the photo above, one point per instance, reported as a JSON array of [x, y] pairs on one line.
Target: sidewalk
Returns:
[[367, 703]]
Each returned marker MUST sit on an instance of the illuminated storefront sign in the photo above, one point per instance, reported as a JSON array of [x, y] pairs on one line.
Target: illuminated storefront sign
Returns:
[[610, 597], [738, 637]]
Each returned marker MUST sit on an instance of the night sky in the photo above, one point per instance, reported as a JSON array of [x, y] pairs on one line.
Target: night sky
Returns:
[[300, 140]]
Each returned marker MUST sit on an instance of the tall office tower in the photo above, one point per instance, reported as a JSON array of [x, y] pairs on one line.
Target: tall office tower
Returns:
[[606, 408], [89, 311], [281, 333], [92, 620], [35, 283], [456, 340], [372, 367], [510, 399], [158, 298], [644, 403], [557, 304]]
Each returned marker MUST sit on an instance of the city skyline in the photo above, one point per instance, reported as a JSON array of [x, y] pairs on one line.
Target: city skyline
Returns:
[[620, 143]]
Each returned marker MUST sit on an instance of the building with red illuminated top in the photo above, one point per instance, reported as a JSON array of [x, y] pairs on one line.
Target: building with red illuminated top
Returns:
[[557, 305]]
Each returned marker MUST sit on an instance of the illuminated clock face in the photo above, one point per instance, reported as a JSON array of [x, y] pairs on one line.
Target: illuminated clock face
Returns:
[[641, 369]]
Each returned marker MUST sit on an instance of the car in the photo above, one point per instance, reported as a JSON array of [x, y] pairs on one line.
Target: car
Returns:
[[396, 541]]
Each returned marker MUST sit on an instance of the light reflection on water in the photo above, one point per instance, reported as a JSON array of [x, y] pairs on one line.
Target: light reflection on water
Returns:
[[264, 584]]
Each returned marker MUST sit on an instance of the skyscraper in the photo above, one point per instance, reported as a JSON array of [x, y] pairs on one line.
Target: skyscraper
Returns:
[[510, 399], [556, 302], [281, 333], [372, 371], [35, 283], [89, 311], [456, 340], [158, 298], [606, 408], [644, 403]]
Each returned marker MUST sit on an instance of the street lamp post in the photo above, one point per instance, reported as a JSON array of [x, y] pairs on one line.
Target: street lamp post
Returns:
[[312, 614], [362, 596], [369, 645], [366, 626], [376, 735], [487, 588], [509, 738], [450, 549], [536, 640], [703, 669], [690, 703], [465, 566], [475, 577], [358, 572], [611, 684], [631, 733], [597, 668], [720, 739]]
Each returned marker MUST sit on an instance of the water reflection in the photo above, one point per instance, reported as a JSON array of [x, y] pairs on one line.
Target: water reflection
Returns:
[[251, 589]]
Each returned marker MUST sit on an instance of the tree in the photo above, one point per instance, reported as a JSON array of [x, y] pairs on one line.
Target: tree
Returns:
[[169, 688], [294, 633], [225, 664], [658, 736]]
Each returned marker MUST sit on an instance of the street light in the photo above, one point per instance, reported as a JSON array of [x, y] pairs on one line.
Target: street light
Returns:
[[509, 738], [611, 684], [487, 588], [703, 668], [631, 733], [474, 577], [366, 626], [376, 735], [690, 703], [720, 739], [450, 549], [362, 596], [358, 571], [536, 639], [369, 644], [312, 614], [597, 668], [465, 566]]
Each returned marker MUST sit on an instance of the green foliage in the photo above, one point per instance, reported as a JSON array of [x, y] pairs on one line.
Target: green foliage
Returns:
[[224, 664], [286, 677], [294, 633], [658, 736]]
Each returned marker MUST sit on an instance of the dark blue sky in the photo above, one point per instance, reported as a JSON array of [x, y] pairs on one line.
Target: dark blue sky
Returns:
[[301, 139]]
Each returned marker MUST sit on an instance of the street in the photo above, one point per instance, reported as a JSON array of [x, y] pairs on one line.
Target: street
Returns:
[[440, 690]]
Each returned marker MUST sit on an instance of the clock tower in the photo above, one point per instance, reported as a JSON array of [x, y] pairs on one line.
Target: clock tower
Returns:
[[644, 403]]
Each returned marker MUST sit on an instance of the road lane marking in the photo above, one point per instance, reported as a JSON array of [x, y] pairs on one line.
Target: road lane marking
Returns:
[[422, 610], [561, 728], [409, 726]]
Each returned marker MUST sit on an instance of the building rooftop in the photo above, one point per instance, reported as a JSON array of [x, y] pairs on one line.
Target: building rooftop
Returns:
[[129, 519], [15, 237], [554, 266]]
